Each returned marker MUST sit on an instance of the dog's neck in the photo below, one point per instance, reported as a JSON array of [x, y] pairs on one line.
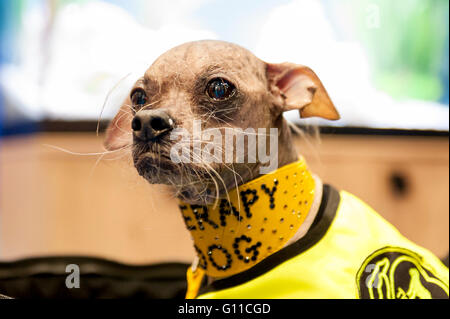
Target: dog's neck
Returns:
[[254, 220]]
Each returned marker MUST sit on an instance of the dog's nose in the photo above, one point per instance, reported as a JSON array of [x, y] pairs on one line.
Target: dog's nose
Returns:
[[149, 124]]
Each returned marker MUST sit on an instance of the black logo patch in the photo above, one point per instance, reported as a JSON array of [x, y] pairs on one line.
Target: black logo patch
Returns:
[[398, 273]]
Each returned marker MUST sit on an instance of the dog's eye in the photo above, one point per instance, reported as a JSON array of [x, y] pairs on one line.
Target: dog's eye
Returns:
[[138, 97], [220, 89]]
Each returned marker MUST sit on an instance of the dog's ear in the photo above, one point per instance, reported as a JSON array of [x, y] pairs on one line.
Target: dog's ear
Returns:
[[300, 88], [118, 133]]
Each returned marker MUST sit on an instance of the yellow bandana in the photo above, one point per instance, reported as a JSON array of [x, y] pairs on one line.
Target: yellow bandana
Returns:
[[253, 222]]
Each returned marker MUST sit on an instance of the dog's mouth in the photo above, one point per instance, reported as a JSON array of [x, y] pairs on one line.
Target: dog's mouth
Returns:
[[195, 183], [150, 164], [154, 163]]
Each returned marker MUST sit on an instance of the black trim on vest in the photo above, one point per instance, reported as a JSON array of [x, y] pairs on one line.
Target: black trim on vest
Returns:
[[323, 220]]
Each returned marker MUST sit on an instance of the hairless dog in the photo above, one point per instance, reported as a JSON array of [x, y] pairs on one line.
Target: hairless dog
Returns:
[[277, 235], [178, 89]]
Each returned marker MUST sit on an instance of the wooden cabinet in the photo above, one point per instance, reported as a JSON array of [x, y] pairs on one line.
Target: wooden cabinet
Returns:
[[52, 202], [405, 179]]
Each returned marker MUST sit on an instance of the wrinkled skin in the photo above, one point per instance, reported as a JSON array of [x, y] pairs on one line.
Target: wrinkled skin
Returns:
[[176, 82]]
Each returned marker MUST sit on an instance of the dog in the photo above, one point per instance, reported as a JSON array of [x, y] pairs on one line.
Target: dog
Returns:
[[262, 226]]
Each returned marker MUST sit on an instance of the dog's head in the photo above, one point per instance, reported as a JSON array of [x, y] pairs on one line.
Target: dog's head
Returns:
[[211, 88]]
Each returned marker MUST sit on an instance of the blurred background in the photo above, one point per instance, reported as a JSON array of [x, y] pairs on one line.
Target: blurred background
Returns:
[[384, 64], [66, 65]]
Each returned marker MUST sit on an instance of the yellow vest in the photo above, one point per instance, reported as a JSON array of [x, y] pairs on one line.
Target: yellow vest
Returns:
[[349, 252]]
